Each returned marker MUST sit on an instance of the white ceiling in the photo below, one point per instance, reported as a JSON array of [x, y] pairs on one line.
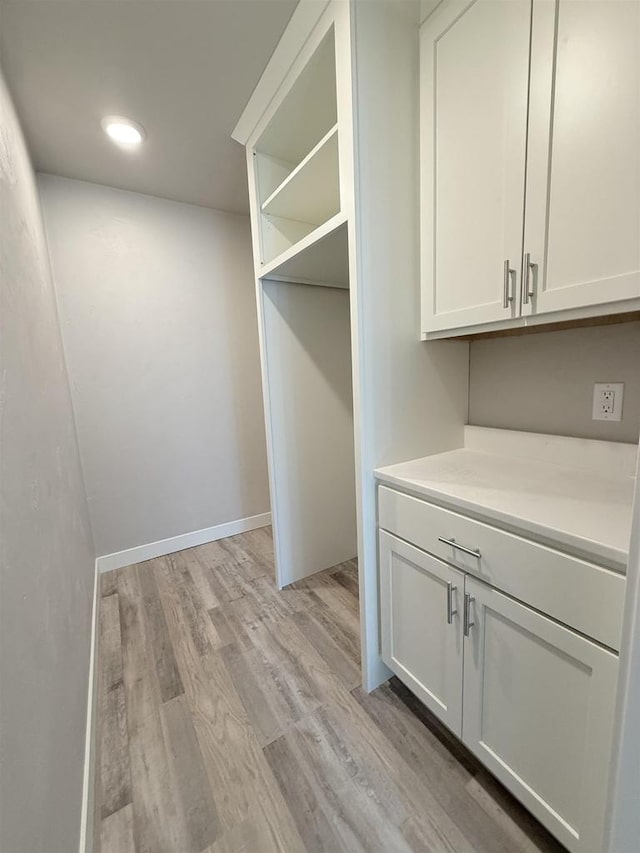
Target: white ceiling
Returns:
[[182, 69]]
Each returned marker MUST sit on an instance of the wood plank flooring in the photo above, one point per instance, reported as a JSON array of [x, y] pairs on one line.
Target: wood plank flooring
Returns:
[[231, 720]]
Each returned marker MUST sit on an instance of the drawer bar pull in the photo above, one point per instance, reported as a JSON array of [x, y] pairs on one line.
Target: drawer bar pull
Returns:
[[454, 544], [468, 622], [451, 610]]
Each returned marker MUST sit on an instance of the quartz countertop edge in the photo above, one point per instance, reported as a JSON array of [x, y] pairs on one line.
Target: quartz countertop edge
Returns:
[[575, 510]]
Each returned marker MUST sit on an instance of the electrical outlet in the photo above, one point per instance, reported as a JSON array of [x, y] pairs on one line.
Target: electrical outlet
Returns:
[[607, 401]]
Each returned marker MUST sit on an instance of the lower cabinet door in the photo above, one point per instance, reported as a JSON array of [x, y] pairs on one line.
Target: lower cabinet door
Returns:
[[538, 712], [421, 604]]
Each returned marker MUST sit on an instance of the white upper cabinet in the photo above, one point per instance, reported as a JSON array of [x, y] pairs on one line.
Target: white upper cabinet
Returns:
[[474, 77], [530, 127], [582, 225]]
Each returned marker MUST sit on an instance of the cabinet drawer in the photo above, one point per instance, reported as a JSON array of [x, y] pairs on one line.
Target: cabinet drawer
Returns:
[[584, 596]]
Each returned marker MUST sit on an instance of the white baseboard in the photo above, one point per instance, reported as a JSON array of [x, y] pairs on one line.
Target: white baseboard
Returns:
[[90, 745], [178, 543]]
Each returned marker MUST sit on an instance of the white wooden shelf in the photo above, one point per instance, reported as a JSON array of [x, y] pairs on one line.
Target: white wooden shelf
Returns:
[[321, 257], [311, 193]]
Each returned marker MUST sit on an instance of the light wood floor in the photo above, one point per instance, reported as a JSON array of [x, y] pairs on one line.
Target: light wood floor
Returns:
[[232, 721]]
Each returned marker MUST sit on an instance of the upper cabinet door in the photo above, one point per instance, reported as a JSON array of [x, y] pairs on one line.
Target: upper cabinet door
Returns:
[[474, 83], [582, 224]]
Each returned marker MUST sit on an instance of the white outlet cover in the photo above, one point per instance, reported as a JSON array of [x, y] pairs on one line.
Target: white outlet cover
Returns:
[[599, 389]]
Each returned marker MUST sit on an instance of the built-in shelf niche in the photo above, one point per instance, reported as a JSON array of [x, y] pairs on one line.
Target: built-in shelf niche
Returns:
[[297, 164], [320, 259]]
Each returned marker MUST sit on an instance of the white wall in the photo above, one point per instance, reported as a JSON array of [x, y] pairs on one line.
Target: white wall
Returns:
[[46, 552], [543, 382], [159, 324]]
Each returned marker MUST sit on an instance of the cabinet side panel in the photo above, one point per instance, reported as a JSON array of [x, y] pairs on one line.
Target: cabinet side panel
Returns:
[[412, 396], [624, 815]]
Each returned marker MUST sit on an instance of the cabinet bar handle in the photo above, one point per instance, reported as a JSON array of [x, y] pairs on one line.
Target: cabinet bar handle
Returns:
[[451, 610], [508, 290], [468, 622], [454, 544], [529, 292]]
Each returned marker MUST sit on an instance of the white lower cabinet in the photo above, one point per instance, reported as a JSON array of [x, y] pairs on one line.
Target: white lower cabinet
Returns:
[[531, 698], [421, 619], [538, 712]]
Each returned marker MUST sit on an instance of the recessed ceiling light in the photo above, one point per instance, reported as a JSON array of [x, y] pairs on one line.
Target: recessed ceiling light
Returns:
[[123, 131]]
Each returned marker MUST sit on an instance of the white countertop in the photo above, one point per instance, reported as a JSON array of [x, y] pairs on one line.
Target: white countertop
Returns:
[[573, 493]]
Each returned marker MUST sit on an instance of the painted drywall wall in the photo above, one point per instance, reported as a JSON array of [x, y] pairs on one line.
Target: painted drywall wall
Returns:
[[46, 552], [544, 382], [159, 324]]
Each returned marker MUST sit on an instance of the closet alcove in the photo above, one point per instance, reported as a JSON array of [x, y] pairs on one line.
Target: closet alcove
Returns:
[[307, 347], [303, 289]]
